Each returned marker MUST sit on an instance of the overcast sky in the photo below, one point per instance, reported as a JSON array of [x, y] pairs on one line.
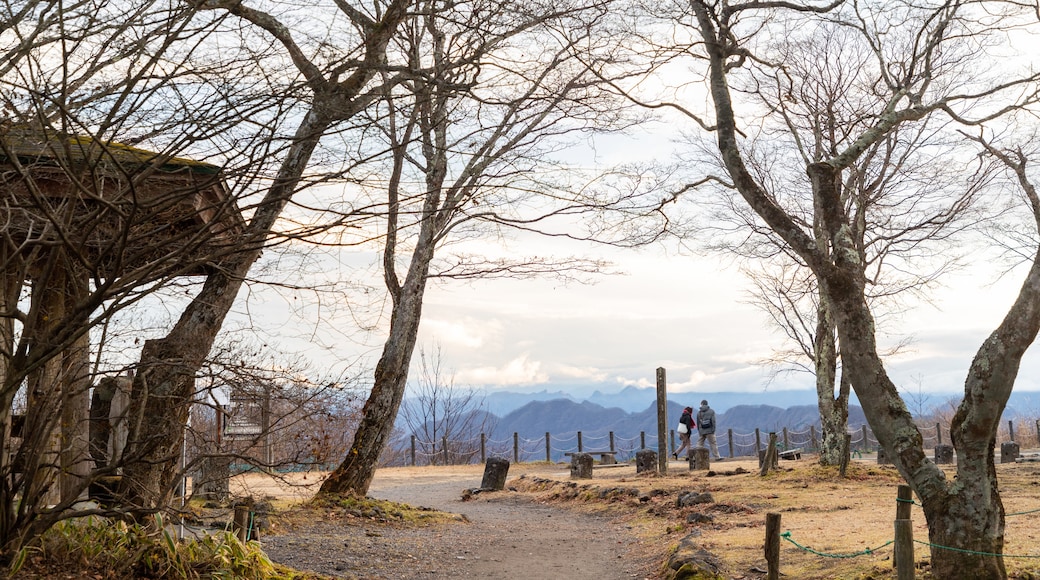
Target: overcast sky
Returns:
[[688, 314]]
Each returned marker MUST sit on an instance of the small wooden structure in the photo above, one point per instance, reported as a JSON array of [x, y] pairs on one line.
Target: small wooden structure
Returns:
[[84, 218]]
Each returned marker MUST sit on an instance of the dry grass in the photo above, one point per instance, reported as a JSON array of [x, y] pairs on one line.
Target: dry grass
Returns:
[[822, 512]]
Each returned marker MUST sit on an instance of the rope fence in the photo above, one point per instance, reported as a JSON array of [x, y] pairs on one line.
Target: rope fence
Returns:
[[902, 543], [732, 444]]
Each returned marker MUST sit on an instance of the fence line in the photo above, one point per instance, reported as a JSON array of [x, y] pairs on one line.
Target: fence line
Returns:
[[731, 444]]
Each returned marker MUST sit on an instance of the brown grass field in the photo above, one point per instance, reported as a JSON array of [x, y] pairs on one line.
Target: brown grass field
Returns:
[[823, 512]]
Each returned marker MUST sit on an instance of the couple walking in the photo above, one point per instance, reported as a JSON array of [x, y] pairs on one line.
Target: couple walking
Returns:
[[705, 425]]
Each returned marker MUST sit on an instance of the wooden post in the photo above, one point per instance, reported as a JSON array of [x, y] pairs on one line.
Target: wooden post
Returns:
[[904, 501], [787, 444], [612, 441], [241, 522], [413, 450], [865, 440], [642, 436], [758, 441], [938, 434], [580, 449], [769, 461], [444, 445], [516, 447], [548, 448], [903, 550], [662, 421], [812, 437], [1011, 430], [772, 546], [483, 448], [846, 454], [732, 451]]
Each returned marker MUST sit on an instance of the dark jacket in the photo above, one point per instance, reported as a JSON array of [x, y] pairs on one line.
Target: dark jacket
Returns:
[[706, 420], [687, 419]]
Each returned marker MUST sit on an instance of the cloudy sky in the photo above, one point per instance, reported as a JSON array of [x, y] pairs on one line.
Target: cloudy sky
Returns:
[[686, 313]]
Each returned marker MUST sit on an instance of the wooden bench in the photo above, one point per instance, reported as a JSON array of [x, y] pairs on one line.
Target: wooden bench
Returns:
[[605, 457], [790, 454]]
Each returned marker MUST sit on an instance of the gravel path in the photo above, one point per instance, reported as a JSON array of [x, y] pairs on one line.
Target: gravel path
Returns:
[[508, 535]]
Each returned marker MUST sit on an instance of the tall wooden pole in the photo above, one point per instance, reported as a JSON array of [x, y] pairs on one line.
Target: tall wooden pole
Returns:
[[662, 422]]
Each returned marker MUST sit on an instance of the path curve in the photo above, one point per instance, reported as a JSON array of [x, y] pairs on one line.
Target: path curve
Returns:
[[509, 535]]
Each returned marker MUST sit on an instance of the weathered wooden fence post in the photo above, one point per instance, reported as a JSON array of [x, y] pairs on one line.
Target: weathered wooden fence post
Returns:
[[483, 448], [758, 442], [444, 444], [612, 441], [413, 450], [1011, 430], [865, 439], [769, 460], [662, 422], [732, 450], [846, 454], [904, 501], [903, 550], [938, 434], [772, 546], [242, 523], [642, 437], [548, 448], [580, 448], [812, 437], [516, 447], [787, 444]]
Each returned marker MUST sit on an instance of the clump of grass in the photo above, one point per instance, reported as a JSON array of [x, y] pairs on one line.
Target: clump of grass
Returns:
[[101, 548], [356, 506]]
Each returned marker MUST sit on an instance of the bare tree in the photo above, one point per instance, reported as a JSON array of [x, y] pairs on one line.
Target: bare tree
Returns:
[[336, 86], [93, 223], [920, 69], [471, 138], [447, 418]]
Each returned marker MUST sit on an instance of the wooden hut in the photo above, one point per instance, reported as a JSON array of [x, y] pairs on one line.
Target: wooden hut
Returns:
[[84, 221]]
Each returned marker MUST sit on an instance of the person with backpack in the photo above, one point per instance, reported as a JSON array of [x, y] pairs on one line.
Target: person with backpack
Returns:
[[706, 429], [685, 429]]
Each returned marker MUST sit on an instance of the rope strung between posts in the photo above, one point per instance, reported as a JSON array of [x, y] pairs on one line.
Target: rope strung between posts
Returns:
[[787, 536], [963, 551], [868, 551], [915, 502]]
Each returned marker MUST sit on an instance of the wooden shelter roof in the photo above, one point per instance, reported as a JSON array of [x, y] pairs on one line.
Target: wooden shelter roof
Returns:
[[118, 206]]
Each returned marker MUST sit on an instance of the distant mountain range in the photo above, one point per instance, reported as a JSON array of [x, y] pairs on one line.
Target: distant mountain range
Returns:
[[563, 417], [635, 399]]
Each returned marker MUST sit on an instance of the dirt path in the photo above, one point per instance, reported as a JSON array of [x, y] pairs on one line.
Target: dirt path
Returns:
[[508, 535]]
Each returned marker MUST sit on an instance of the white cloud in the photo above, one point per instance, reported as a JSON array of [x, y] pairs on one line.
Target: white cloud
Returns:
[[518, 371]]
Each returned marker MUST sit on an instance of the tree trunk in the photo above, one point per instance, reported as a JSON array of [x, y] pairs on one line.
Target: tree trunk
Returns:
[[834, 408], [164, 386], [355, 474], [972, 520]]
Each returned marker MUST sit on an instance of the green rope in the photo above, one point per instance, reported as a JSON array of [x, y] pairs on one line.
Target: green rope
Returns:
[[963, 551], [1022, 513], [787, 536]]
